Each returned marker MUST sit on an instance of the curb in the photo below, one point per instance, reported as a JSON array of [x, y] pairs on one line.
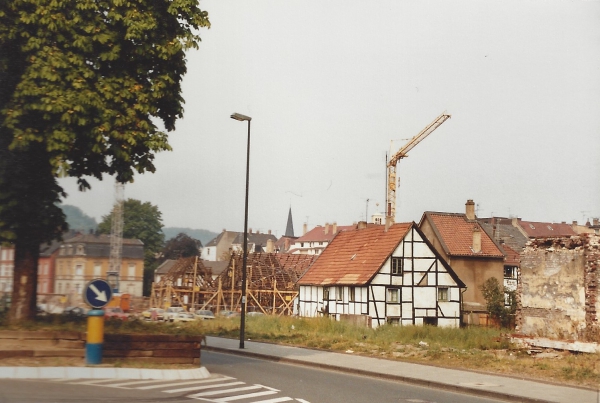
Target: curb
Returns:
[[409, 380], [101, 373]]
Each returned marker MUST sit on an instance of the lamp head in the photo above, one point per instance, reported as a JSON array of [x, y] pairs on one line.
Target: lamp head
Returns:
[[240, 117]]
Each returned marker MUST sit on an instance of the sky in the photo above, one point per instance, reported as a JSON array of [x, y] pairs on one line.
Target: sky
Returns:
[[334, 86]]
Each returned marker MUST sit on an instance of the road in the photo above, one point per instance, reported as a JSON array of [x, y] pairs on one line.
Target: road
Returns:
[[319, 386], [234, 379]]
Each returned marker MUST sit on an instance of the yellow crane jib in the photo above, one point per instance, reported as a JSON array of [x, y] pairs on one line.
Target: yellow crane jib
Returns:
[[402, 153]]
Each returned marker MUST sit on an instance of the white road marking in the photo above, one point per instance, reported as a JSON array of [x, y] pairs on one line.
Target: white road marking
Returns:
[[203, 387], [246, 396], [184, 383], [276, 400], [220, 392]]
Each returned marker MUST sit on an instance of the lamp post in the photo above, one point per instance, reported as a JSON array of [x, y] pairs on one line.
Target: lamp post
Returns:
[[241, 118]]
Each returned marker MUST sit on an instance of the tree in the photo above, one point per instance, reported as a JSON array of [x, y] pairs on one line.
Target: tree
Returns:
[[181, 246], [82, 84], [141, 221], [494, 295]]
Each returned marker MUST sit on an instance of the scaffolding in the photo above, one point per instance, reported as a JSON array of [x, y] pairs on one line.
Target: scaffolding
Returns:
[[271, 284]]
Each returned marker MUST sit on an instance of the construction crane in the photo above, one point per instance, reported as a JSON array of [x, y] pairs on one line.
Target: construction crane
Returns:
[[116, 239], [402, 153]]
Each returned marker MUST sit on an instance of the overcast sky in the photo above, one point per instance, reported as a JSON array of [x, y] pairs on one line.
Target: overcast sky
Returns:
[[330, 84]]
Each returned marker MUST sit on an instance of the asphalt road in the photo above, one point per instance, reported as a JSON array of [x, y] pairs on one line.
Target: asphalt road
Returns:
[[320, 386]]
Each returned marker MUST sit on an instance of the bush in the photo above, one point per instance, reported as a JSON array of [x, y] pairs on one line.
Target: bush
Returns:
[[494, 295]]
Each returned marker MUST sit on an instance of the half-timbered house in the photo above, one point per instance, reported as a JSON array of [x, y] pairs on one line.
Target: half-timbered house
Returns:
[[384, 275]]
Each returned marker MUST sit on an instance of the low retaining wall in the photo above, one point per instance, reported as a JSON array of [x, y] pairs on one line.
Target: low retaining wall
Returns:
[[154, 348]]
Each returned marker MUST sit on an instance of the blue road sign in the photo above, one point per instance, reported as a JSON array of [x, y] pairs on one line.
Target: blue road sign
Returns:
[[97, 293]]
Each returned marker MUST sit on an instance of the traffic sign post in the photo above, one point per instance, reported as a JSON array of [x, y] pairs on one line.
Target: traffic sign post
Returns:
[[97, 294]]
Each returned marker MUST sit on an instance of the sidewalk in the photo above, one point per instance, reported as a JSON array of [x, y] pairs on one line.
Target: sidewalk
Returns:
[[484, 385]]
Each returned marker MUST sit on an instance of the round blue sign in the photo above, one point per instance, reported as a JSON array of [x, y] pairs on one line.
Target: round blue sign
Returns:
[[97, 293]]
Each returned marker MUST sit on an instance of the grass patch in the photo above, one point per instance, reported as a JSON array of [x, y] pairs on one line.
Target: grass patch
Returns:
[[478, 348]]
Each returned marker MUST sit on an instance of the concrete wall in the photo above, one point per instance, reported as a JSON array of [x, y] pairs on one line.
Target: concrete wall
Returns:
[[558, 288]]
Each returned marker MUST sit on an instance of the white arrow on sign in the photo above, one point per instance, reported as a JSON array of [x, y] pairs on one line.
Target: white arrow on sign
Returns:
[[100, 296]]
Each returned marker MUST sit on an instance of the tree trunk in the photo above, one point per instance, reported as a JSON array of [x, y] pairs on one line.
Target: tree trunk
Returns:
[[24, 296]]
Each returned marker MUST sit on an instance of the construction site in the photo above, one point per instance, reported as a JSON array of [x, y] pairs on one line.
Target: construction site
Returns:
[[270, 286]]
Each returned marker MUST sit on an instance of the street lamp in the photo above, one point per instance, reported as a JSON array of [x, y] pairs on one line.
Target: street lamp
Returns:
[[241, 118]]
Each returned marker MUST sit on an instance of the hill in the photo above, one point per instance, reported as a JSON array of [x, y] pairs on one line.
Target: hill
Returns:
[[77, 219], [202, 235]]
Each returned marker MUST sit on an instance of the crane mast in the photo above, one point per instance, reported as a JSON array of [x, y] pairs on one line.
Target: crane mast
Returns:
[[402, 153], [116, 239]]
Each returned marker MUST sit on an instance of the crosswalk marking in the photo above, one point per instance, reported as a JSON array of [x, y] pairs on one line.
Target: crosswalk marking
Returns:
[[276, 400], [202, 387], [185, 383], [220, 392], [246, 396], [216, 389]]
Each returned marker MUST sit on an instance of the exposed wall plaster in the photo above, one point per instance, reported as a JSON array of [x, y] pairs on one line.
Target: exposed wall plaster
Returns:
[[558, 288]]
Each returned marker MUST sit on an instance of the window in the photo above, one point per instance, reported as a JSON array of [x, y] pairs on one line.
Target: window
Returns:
[[131, 271], [69, 250], [443, 294], [62, 250], [393, 295], [351, 294], [97, 269], [396, 265], [79, 270], [339, 293], [393, 321], [80, 250], [325, 293]]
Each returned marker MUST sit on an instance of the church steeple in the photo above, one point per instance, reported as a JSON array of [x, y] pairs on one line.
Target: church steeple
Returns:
[[289, 229]]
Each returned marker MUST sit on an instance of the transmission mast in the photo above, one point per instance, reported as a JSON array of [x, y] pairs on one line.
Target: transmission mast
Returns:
[[116, 239], [402, 153]]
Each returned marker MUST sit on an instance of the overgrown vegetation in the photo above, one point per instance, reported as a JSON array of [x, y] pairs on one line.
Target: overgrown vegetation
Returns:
[[500, 303], [477, 348]]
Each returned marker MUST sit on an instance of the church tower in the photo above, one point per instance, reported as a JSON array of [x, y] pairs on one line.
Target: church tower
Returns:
[[289, 229]]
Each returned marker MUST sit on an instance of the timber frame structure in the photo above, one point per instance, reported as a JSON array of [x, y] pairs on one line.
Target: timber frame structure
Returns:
[[271, 284]]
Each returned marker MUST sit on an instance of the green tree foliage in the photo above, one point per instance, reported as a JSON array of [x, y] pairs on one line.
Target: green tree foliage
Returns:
[[141, 221], [83, 84], [181, 246], [494, 295]]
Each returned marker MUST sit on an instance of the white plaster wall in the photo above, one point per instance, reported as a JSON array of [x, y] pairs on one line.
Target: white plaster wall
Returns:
[[425, 297]]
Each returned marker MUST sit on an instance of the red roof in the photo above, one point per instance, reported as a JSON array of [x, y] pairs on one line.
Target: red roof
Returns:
[[513, 258], [455, 233], [355, 255], [546, 229], [318, 234]]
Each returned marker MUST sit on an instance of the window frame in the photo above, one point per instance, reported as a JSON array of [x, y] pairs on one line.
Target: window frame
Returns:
[[396, 266], [440, 292], [390, 293]]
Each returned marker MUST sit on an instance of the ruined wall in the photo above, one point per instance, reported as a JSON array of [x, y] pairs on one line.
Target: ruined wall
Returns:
[[557, 291]]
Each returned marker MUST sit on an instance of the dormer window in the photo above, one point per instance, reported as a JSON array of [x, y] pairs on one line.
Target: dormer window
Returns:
[[80, 250], [62, 250]]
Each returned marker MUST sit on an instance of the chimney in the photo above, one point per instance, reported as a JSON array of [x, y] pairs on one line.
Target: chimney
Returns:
[[286, 244], [224, 230], [326, 228], [249, 230], [270, 246], [269, 232], [362, 225], [515, 221], [304, 229], [574, 223], [388, 223], [258, 231], [470, 210], [595, 221], [334, 228], [476, 239]]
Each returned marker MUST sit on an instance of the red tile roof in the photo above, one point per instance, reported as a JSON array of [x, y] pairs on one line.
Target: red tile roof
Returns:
[[355, 255], [512, 258], [318, 234], [455, 233], [546, 229]]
